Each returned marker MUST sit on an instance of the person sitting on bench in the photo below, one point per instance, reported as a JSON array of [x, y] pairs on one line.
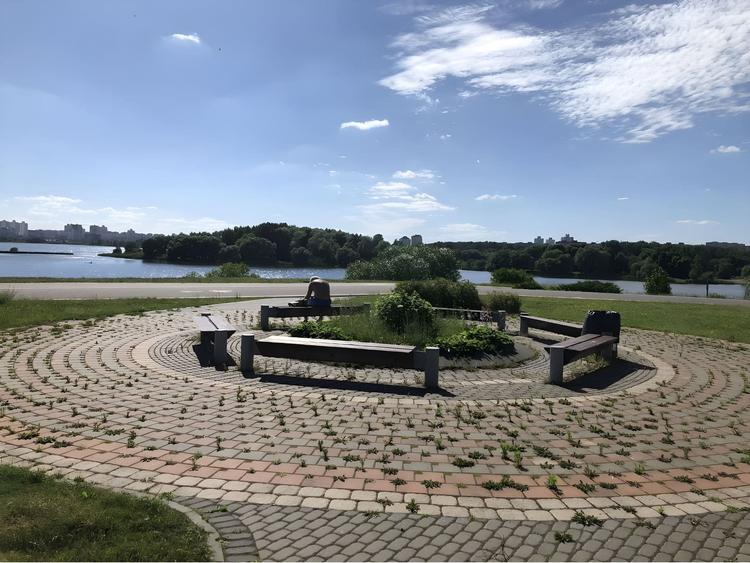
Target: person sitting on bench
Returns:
[[318, 293]]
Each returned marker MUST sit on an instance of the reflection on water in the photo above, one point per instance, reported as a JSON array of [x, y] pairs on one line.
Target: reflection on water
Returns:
[[86, 263]]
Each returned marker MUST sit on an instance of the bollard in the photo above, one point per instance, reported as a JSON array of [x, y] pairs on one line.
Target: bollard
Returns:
[[220, 348], [431, 367], [264, 317], [524, 330], [499, 319], [247, 346], [556, 361]]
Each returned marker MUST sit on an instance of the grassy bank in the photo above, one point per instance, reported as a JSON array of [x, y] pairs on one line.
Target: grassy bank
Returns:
[[47, 519], [713, 321], [32, 312]]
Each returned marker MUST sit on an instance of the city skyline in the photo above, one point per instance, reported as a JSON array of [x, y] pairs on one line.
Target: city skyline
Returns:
[[613, 120]]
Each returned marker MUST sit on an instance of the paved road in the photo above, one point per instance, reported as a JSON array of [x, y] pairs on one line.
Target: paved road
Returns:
[[107, 290]]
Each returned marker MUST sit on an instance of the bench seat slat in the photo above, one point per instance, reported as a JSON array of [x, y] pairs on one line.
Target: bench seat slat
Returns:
[[574, 341], [596, 342], [339, 344], [336, 351], [559, 327]]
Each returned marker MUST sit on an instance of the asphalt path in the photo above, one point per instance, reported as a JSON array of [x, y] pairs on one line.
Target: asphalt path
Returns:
[[112, 290]]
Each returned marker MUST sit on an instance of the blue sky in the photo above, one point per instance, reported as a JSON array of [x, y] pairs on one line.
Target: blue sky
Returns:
[[499, 121]]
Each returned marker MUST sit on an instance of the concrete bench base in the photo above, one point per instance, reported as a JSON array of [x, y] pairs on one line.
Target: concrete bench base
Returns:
[[215, 331], [575, 348]]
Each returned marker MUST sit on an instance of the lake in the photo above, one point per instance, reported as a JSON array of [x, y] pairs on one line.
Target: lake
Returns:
[[86, 263]]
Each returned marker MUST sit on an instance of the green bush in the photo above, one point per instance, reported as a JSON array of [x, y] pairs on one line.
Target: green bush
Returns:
[[591, 285], [745, 271], [657, 282], [232, 270], [318, 329], [443, 293], [398, 310], [7, 296], [407, 263], [515, 278], [508, 302], [474, 341]]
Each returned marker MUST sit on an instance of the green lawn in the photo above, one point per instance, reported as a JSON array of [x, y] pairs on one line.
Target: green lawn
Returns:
[[33, 312], [728, 322], [47, 519]]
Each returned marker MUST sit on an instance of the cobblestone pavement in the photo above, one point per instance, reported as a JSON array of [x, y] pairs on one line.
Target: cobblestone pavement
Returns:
[[652, 444]]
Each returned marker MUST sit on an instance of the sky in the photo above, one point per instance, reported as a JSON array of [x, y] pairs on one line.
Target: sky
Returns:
[[488, 121]]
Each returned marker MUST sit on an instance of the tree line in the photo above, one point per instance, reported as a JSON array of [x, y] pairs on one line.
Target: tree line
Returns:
[[266, 244], [611, 259]]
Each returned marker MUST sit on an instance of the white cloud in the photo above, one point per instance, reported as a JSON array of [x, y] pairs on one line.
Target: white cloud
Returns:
[[468, 231], [647, 70], [53, 212], [624, 198], [495, 197], [726, 149], [186, 38], [445, 136], [697, 222], [365, 125], [423, 174]]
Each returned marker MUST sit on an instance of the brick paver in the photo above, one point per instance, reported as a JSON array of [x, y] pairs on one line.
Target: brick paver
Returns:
[[657, 439]]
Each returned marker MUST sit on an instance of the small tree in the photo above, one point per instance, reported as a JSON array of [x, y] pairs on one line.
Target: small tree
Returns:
[[657, 282]]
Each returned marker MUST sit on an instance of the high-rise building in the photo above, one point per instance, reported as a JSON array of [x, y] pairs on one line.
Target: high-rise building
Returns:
[[97, 230], [14, 228], [73, 231], [567, 239], [416, 240], [538, 240], [404, 241], [550, 240]]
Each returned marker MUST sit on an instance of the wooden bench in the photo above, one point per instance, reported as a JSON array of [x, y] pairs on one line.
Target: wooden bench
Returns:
[[558, 327], [344, 351], [268, 312], [215, 331], [570, 350], [474, 315]]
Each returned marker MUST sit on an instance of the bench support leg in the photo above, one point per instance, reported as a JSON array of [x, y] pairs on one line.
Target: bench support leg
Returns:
[[524, 330], [431, 367], [264, 317], [556, 361], [220, 348], [247, 346], [500, 319], [610, 353]]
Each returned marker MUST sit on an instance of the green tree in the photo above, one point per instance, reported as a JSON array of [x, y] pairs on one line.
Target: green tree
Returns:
[[345, 256], [300, 256], [257, 250], [593, 261], [657, 282]]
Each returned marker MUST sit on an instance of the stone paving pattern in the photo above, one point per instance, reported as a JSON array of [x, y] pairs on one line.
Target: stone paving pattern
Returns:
[[657, 439]]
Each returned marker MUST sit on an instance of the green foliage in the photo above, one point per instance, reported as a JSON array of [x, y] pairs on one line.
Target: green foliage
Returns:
[[476, 340], [318, 329], [7, 296], [407, 263], [198, 248], [515, 278], [554, 262], [443, 293], [592, 260], [257, 250], [657, 283], [745, 272], [590, 285], [45, 519], [232, 270], [500, 301], [398, 310]]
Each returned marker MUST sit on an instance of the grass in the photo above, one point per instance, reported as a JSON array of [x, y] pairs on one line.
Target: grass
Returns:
[[726, 322], [47, 519], [16, 313]]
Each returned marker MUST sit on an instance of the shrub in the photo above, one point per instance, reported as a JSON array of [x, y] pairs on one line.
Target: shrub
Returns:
[[508, 302], [407, 263], [474, 341], [657, 282], [591, 285], [232, 270], [745, 271], [443, 293], [318, 329], [7, 296], [515, 277], [398, 310]]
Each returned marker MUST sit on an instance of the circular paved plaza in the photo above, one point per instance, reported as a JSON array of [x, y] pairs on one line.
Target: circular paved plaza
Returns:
[[647, 458]]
